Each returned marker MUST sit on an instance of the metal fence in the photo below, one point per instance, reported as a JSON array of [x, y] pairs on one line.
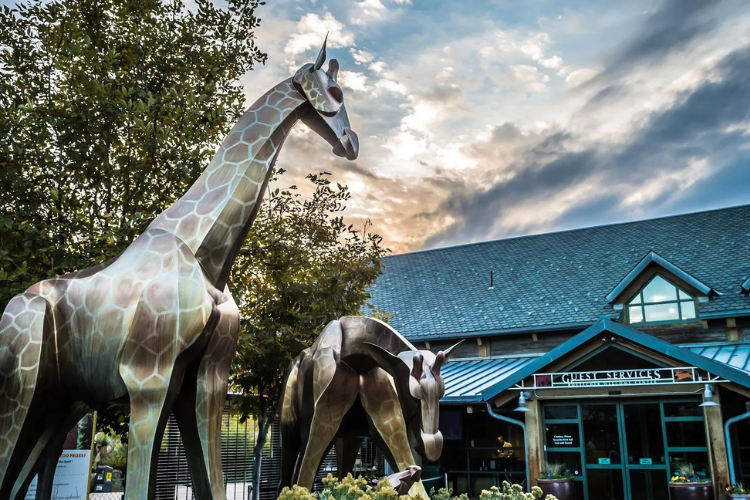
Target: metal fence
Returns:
[[173, 481], [237, 447]]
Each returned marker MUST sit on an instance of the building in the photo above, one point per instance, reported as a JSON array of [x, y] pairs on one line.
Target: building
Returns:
[[622, 351]]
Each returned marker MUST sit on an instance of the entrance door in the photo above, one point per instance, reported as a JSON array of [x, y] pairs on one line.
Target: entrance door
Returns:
[[624, 451]]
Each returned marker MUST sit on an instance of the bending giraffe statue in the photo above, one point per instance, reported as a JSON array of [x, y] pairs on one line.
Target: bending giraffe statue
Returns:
[[360, 376], [155, 327]]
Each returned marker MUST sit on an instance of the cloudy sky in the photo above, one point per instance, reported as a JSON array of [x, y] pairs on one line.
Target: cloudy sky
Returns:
[[487, 119]]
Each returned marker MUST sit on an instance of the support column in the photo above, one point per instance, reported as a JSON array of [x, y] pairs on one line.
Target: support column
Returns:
[[535, 440], [717, 448]]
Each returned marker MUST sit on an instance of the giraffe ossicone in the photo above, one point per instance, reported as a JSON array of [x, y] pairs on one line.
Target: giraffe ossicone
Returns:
[[155, 327]]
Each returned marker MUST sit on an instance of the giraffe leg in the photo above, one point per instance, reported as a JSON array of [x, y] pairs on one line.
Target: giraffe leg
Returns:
[[380, 400], [152, 367], [149, 410], [24, 376], [339, 394], [347, 450], [291, 442], [199, 410]]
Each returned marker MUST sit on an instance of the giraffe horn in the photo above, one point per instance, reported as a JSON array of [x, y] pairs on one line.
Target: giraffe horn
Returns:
[[321, 55]]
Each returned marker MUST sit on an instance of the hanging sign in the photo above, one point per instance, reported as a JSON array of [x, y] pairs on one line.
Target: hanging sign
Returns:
[[607, 378], [71, 477]]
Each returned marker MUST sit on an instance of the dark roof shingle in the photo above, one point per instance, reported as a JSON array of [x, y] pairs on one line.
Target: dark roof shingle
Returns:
[[556, 279]]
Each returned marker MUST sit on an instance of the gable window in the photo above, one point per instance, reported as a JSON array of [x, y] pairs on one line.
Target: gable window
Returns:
[[661, 301]]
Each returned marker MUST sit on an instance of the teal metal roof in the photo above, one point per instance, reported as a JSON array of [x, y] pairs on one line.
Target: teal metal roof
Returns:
[[465, 379], [557, 280], [686, 356], [734, 354]]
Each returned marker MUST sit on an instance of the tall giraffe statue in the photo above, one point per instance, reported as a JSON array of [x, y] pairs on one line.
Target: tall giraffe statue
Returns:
[[155, 326]]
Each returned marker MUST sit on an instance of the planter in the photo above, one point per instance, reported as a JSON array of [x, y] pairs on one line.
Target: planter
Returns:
[[692, 491], [738, 496], [563, 489]]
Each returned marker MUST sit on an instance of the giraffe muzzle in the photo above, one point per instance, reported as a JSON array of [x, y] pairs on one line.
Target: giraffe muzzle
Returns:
[[433, 445], [347, 145]]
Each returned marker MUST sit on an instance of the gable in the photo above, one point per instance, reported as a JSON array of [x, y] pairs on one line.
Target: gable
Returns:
[[605, 331]]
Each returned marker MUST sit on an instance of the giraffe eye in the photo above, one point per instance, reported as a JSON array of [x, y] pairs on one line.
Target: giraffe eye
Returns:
[[336, 93]]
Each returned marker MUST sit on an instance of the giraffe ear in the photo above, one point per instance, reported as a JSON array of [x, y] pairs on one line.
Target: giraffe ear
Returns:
[[321, 56], [333, 69]]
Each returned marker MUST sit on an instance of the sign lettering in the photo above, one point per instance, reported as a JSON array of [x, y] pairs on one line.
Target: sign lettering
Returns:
[[562, 439], [646, 376], [71, 477]]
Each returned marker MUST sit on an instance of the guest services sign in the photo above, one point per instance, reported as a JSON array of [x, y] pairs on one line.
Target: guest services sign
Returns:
[[649, 376]]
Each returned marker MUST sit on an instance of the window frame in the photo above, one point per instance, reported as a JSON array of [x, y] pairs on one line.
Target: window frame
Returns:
[[678, 301]]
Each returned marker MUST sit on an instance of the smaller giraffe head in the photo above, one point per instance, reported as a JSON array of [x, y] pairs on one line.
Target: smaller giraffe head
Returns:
[[328, 114], [420, 387]]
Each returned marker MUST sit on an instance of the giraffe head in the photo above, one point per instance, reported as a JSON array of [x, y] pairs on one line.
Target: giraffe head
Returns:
[[420, 386], [328, 114]]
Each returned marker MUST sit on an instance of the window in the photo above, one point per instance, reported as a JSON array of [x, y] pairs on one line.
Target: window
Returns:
[[660, 301]]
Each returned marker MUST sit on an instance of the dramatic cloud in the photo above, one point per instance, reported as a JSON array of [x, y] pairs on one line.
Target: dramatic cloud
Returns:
[[484, 123]]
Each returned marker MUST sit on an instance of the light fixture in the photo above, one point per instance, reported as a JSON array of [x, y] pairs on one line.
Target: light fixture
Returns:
[[522, 398], [708, 396]]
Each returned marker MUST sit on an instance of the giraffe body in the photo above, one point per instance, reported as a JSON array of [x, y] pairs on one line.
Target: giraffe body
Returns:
[[360, 377], [155, 327]]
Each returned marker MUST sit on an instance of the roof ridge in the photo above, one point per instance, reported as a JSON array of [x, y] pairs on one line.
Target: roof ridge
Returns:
[[612, 224]]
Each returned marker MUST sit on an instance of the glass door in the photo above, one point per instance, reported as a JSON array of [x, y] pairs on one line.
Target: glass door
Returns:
[[645, 465], [605, 469], [624, 451]]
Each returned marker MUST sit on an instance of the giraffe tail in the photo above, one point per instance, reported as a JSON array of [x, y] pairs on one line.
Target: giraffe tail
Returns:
[[21, 340]]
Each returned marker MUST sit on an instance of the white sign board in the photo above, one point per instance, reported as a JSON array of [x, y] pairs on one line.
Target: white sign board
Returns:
[[71, 477]]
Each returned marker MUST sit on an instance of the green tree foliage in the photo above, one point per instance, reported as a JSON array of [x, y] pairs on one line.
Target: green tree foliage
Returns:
[[301, 267], [110, 110]]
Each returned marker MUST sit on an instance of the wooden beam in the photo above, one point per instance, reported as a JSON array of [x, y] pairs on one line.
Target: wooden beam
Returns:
[[717, 449], [733, 333], [535, 439]]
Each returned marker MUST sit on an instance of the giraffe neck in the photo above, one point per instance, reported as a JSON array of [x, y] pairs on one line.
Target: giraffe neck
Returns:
[[215, 215]]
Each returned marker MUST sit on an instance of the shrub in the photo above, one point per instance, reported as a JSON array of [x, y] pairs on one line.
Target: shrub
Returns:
[[350, 488], [297, 493], [444, 494], [513, 492]]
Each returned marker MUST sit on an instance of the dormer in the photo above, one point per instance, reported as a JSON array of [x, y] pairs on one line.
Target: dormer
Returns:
[[746, 287], [658, 292]]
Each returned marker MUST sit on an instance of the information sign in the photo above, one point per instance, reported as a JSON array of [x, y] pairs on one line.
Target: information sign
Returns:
[[71, 477], [562, 440]]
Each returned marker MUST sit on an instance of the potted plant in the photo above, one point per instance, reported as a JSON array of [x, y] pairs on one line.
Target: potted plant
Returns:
[[556, 480], [687, 485], [737, 491]]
